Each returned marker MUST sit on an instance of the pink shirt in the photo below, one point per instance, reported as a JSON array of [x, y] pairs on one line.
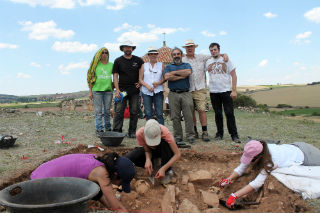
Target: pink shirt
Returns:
[[72, 165], [165, 134]]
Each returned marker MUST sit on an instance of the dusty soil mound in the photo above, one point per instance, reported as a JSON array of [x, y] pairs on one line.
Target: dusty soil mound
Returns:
[[191, 189]]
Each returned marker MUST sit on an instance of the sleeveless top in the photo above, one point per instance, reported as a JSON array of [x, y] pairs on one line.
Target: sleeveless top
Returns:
[[150, 75], [72, 165]]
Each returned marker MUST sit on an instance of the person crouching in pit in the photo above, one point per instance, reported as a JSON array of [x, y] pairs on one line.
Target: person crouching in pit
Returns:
[[156, 141]]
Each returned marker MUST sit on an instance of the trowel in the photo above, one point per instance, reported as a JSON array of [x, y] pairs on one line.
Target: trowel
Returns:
[[151, 178]]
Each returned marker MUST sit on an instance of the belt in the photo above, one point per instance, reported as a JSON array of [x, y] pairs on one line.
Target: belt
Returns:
[[179, 91]]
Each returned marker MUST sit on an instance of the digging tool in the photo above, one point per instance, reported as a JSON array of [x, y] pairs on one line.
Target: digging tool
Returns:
[[151, 178], [238, 204]]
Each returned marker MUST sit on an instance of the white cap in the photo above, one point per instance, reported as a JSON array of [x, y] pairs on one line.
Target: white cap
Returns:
[[152, 133], [190, 42], [128, 44]]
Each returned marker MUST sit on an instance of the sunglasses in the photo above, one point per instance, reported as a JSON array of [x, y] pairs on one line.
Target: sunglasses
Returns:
[[152, 53], [104, 53]]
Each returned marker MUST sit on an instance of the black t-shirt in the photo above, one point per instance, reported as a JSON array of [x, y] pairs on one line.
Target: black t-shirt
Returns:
[[128, 70]]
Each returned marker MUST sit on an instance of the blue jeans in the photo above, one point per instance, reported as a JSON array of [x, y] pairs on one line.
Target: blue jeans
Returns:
[[157, 101], [102, 100]]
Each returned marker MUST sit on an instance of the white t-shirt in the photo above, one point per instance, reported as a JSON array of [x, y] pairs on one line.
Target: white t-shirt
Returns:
[[151, 75], [284, 155], [220, 79]]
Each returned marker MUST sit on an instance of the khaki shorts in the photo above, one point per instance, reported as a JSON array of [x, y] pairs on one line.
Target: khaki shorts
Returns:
[[200, 99]]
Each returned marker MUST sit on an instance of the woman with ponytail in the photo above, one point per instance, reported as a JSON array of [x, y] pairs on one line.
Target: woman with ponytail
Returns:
[[266, 157], [105, 170], [100, 88]]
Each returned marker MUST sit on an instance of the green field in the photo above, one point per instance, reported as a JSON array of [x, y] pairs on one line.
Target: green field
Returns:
[[30, 105], [305, 111]]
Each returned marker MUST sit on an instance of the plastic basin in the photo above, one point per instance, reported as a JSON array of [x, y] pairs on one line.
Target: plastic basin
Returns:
[[112, 138], [60, 194]]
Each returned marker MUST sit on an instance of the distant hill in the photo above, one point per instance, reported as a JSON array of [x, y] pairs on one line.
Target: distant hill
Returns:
[[301, 96], [44, 97]]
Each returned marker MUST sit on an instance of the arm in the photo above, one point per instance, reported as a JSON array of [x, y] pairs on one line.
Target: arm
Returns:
[[175, 157], [172, 77], [237, 172], [184, 73], [109, 199], [141, 81], [90, 93], [234, 84], [116, 84], [155, 84], [148, 164]]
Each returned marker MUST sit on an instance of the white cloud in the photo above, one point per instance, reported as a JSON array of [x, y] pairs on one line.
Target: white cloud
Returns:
[[270, 15], [159, 30], [90, 2], [23, 75], [126, 26], [64, 4], [44, 30], [304, 35], [34, 64], [263, 63], [8, 46], [205, 51], [119, 4], [313, 15], [223, 32], [137, 37], [65, 70], [207, 34], [112, 47], [300, 66], [72, 47]]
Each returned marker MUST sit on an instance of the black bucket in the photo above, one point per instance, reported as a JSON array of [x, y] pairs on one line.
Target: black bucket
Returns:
[[59, 195]]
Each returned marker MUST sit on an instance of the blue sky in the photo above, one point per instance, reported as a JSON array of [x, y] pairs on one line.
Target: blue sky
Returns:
[[46, 45]]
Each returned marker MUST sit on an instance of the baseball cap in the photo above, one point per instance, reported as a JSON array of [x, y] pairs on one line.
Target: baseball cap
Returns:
[[126, 172], [152, 133], [251, 149]]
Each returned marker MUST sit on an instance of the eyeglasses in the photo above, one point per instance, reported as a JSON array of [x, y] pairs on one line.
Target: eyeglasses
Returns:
[[104, 53], [152, 53], [154, 71]]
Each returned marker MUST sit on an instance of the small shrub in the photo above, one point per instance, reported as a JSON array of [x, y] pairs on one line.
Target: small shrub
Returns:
[[244, 101], [26, 106], [293, 114], [283, 106], [306, 107], [315, 114]]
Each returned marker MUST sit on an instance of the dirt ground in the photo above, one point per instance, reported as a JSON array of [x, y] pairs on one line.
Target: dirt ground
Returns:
[[219, 163]]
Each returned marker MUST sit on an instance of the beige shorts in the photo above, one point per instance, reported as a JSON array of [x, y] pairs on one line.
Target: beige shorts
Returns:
[[200, 99]]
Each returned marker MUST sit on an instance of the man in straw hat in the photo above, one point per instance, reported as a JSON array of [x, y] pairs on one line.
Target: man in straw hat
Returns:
[[126, 78], [198, 85], [155, 141]]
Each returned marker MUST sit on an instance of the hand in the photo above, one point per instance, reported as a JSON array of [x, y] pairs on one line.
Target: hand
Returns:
[[231, 200], [210, 68], [225, 57], [224, 182], [151, 89], [90, 95], [155, 84], [148, 166], [233, 94], [160, 174], [118, 93], [137, 85]]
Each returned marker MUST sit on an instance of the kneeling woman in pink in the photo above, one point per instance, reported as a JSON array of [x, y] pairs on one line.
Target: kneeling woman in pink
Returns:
[[267, 157], [105, 170]]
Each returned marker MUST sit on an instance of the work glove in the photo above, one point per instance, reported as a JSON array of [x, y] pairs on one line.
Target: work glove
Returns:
[[224, 182], [231, 200]]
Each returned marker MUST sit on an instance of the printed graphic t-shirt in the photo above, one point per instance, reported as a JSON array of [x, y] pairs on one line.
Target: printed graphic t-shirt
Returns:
[[104, 79]]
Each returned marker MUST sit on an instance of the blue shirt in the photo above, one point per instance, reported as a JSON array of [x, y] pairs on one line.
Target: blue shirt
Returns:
[[182, 84]]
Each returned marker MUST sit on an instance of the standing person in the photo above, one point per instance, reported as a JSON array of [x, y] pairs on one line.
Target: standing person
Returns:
[[180, 99], [156, 141], [105, 170], [152, 78], [265, 158], [223, 88], [100, 88], [126, 78]]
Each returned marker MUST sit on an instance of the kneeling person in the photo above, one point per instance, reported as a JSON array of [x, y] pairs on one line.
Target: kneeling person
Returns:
[[157, 142]]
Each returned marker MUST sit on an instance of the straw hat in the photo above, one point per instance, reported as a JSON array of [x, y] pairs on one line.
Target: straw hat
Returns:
[[153, 50], [128, 44], [190, 42]]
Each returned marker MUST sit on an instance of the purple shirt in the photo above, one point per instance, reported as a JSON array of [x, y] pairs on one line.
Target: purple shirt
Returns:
[[72, 165]]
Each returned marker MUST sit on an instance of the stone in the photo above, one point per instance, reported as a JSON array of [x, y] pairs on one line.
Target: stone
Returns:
[[142, 187], [212, 210], [168, 199], [129, 197], [191, 188], [271, 186], [177, 191], [200, 175], [187, 206], [214, 189], [185, 179], [211, 199]]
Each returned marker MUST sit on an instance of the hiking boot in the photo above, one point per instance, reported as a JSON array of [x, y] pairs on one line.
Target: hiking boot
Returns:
[[205, 136], [236, 139], [182, 144], [196, 135], [191, 140], [218, 137], [99, 133]]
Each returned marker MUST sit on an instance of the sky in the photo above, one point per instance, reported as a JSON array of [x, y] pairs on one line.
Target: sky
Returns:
[[46, 46]]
